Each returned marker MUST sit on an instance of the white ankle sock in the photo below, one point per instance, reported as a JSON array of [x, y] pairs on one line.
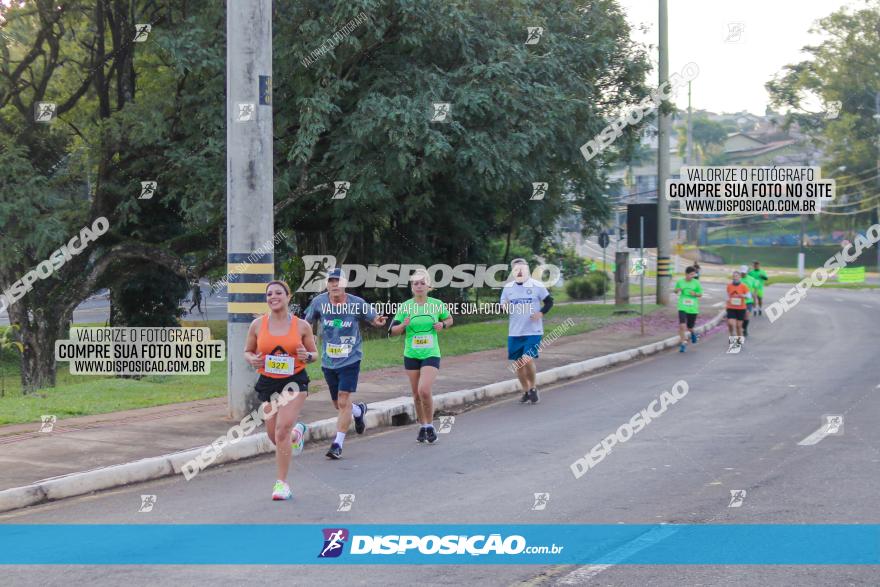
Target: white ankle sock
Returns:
[[356, 411], [340, 438]]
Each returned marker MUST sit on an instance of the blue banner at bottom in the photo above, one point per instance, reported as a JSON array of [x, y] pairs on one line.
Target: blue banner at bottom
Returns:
[[665, 544]]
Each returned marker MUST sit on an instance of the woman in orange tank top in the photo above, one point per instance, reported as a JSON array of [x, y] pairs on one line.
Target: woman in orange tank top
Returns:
[[737, 292], [278, 346]]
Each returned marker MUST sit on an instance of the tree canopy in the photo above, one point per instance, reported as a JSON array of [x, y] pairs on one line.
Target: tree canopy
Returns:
[[421, 192]]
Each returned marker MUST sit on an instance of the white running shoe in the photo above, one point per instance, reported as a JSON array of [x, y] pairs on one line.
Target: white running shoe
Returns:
[[281, 491], [297, 437]]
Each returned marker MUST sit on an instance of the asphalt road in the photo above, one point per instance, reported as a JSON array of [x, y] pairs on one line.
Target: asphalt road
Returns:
[[96, 309], [738, 428]]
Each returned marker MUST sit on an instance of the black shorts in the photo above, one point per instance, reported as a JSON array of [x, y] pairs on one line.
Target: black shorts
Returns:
[[687, 318], [411, 364], [266, 386], [739, 314]]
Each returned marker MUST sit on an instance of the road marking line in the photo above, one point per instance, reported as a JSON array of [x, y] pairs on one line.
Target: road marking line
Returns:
[[716, 304], [815, 437], [585, 573]]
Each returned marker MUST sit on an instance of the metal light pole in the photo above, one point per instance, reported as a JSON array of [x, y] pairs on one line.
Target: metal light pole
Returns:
[[642, 278], [664, 127], [877, 118], [249, 214]]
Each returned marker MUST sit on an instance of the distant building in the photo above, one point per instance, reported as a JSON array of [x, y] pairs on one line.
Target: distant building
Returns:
[[757, 141]]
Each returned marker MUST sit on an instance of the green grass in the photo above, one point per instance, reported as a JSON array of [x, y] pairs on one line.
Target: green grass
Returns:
[[815, 256], [766, 229], [560, 295], [793, 278], [77, 395]]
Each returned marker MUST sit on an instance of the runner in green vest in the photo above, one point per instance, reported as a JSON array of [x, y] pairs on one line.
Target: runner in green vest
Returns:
[[689, 293], [762, 278], [755, 285], [421, 319]]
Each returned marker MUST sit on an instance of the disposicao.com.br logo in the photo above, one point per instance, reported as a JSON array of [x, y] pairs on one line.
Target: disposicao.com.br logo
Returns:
[[397, 275], [430, 544]]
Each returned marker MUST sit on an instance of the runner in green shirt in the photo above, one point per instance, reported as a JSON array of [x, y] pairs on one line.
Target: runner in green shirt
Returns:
[[761, 276], [421, 319], [689, 293], [755, 285]]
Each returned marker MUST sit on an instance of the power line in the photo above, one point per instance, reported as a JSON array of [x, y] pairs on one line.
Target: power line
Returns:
[[859, 201]]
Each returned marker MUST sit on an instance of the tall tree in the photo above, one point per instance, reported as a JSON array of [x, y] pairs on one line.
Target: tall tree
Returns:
[[424, 191], [831, 96], [110, 132]]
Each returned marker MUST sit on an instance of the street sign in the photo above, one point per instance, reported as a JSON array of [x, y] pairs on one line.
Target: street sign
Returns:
[[604, 240], [634, 214]]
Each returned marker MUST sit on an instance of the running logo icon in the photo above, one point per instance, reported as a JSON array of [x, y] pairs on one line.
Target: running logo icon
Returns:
[[334, 541], [639, 264], [539, 190], [735, 32], [441, 111], [148, 190], [737, 497], [735, 344], [535, 33], [346, 500], [832, 110], [45, 112], [47, 423], [147, 503], [446, 423], [541, 501], [315, 272], [245, 112], [340, 189], [141, 32], [833, 424]]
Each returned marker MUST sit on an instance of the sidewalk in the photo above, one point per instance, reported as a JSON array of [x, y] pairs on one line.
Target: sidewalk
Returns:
[[84, 443]]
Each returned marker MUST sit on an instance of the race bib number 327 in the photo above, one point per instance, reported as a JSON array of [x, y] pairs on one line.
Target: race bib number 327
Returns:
[[278, 365]]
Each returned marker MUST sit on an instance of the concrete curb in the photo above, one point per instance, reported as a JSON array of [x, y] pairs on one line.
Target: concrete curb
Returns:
[[380, 414]]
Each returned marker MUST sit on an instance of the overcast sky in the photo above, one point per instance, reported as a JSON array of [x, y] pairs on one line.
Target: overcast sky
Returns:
[[733, 74]]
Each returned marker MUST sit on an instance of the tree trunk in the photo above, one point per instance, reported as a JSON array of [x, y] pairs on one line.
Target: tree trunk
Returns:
[[40, 328], [506, 258]]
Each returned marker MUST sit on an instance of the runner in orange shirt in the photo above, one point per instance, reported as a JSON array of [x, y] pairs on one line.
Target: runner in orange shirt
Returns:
[[737, 292]]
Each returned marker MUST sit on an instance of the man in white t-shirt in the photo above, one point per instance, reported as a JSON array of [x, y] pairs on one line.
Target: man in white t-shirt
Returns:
[[526, 300]]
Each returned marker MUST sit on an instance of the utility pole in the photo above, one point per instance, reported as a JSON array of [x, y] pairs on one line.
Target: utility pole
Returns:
[[689, 154], [877, 208], [689, 157], [249, 213], [664, 126]]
